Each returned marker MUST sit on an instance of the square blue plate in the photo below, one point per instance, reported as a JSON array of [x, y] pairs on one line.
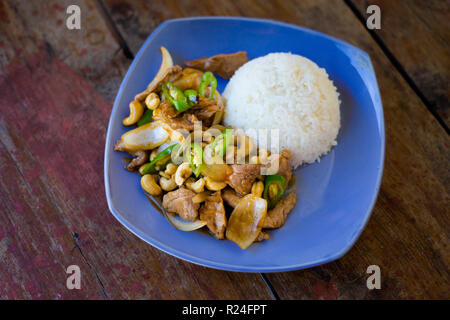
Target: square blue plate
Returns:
[[335, 195]]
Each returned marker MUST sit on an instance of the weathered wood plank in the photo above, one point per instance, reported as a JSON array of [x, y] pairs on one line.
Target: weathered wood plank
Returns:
[[35, 249], [92, 51], [407, 235], [52, 131], [418, 34]]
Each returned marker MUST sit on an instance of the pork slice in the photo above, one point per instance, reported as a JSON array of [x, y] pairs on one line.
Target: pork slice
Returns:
[[168, 111], [243, 177], [205, 108], [276, 217], [180, 202], [213, 212], [284, 169], [225, 65], [185, 121]]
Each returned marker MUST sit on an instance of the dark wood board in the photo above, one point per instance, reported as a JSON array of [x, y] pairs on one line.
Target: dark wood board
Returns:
[[407, 235], [417, 33], [52, 201], [57, 84]]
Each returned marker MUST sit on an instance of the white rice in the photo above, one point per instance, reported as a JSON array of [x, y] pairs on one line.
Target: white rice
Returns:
[[287, 92]]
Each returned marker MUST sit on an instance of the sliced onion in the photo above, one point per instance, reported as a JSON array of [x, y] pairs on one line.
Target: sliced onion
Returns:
[[166, 63], [246, 220], [183, 225], [146, 137]]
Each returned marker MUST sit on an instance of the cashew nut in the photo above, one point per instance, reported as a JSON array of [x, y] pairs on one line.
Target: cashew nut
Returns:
[[263, 155], [152, 101], [207, 136], [258, 188], [150, 186], [196, 186], [153, 154], [167, 184], [171, 168], [183, 172], [200, 197], [214, 185], [164, 175], [136, 112]]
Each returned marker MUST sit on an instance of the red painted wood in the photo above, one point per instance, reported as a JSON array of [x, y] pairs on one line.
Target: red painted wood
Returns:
[[52, 129]]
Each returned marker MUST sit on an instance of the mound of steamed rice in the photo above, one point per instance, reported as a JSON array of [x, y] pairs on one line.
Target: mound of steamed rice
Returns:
[[290, 93]]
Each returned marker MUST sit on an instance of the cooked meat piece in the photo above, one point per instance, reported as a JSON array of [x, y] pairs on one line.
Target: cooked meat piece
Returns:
[[284, 168], [168, 111], [277, 216], [223, 64], [231, 197], [171, 74], [141, 157], [180, 202], [186, 121], [262, 236], [205, 108], [213, 212], [243, 177]]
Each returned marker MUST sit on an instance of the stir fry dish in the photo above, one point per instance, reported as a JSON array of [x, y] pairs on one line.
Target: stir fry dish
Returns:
[[202, 174]]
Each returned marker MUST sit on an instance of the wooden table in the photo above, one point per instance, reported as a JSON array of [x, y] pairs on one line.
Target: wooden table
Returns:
[[56, 92]]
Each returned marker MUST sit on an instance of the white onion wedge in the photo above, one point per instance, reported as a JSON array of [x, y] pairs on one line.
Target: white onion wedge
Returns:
[[166, 63], [146, 137], [246, 220], [183, 225]]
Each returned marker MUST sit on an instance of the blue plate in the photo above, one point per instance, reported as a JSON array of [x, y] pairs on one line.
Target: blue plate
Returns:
[[335, 195]]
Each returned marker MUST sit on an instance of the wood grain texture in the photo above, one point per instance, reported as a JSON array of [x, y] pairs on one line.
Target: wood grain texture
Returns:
[[408, 233], [53, 211], [91, 51], [418, 34]]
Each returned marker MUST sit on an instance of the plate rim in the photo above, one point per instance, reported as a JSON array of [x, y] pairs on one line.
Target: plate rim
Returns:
[[233, 267]]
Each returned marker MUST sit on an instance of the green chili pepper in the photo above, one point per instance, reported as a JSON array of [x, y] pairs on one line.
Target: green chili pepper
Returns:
[[191, 96], [274, 189], [195, 158], [225, 136], [150, 167], [175, 96], [208, 79], [146, 118]]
